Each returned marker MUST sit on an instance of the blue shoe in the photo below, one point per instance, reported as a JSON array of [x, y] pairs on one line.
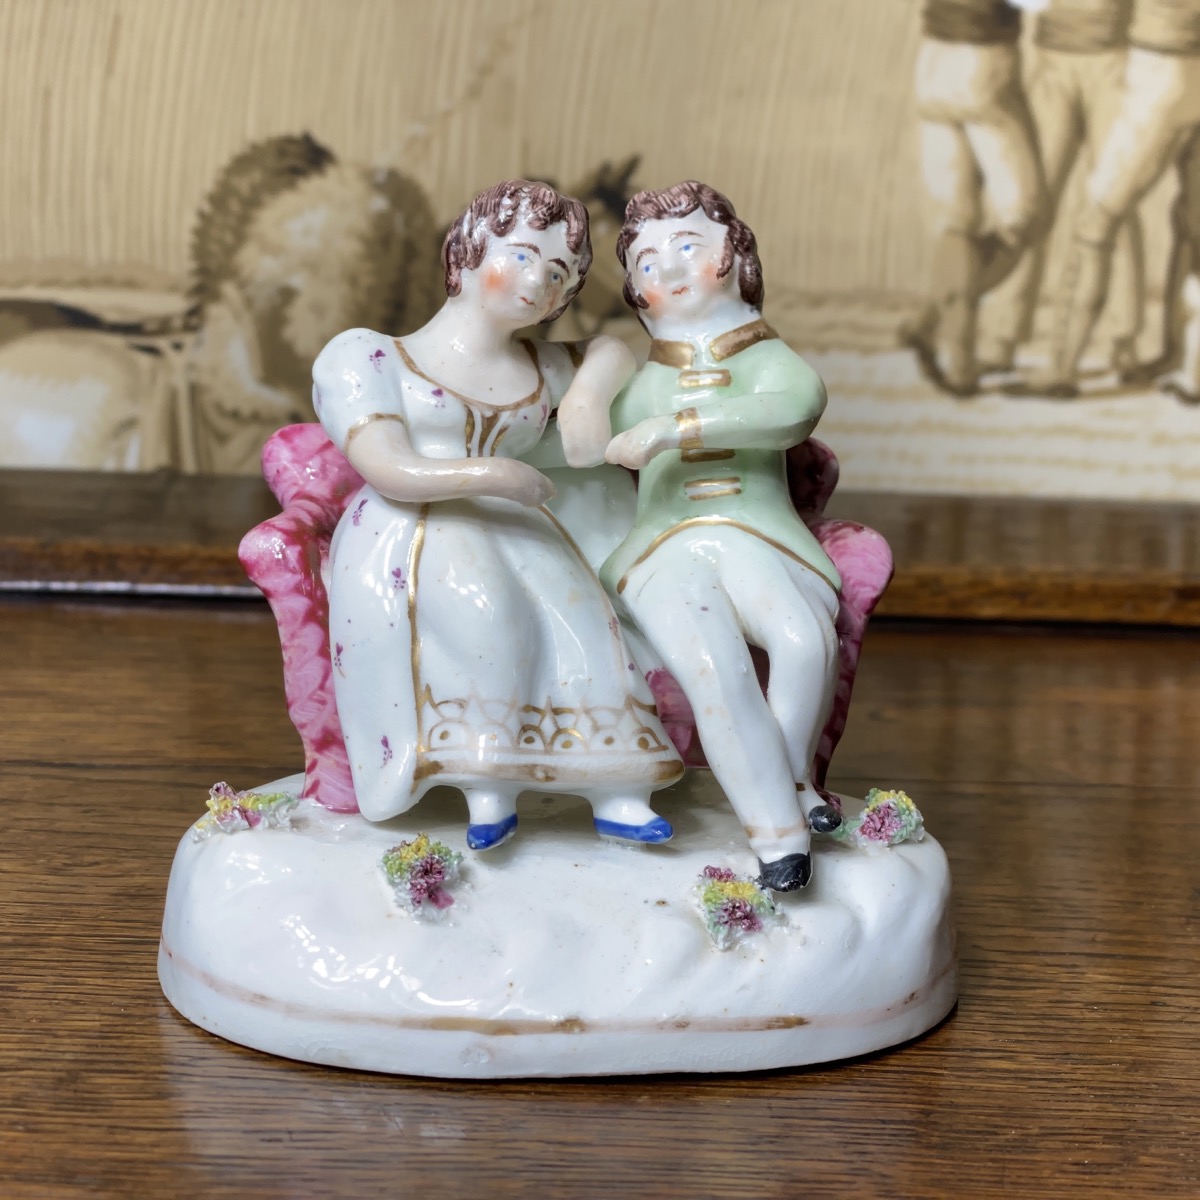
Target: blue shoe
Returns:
[[652, 832], [484, 837]]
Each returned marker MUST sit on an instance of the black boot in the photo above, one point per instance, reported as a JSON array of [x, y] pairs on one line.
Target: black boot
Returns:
[[785, 874], [824, 818]]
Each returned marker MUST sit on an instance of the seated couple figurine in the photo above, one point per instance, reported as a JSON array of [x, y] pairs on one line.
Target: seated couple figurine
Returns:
[[471, 643]]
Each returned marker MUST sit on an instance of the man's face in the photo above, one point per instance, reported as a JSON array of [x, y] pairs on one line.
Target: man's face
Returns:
[[674, 264]]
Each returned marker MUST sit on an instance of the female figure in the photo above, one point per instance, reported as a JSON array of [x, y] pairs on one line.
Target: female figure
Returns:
[[472, 644]]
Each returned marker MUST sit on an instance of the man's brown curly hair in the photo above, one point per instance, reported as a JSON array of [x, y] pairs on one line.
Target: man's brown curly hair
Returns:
[[678, 201]]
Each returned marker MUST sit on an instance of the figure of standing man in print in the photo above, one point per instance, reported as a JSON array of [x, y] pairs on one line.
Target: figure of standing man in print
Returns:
[[1180, 356], [981, 171], [1075, 89], [1159, 114]]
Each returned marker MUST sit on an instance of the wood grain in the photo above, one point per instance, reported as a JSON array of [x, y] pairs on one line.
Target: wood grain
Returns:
[[981, 557], [1021, 559], [101, 532], [1058, 768]]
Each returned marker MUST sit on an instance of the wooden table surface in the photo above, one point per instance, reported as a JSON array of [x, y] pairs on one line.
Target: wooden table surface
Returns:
[[1059, 767]]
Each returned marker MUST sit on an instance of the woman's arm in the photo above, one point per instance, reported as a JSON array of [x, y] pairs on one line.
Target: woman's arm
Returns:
[[608, 365], [379, 450], [357, 398]]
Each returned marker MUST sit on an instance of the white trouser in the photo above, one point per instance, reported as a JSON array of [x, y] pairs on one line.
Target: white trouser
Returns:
[[702, 599]]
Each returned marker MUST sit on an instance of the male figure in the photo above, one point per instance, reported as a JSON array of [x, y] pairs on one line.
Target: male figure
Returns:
[[1177, 366], [1074, 89], [1181, 295], [718, 560], [981, 171], [1160, 111]]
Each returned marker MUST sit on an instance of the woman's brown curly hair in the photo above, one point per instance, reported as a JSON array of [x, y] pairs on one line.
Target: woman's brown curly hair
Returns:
[[494, 213]]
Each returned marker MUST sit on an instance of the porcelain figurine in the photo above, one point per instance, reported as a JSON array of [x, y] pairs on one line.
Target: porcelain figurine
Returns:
[[473, 644], [718, 557], [441, 626]]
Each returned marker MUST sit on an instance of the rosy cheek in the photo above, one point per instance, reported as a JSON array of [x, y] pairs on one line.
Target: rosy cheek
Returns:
[[653, 296], [496, 279]]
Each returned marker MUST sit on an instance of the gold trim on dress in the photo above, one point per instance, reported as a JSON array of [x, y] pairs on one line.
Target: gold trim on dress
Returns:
[[727, 521], [363, 422], [739, 339], [483, 418], [557, 738], [705, 379], [471, 401], [658, 770], [414, 645], [545, 743], [687, 422]]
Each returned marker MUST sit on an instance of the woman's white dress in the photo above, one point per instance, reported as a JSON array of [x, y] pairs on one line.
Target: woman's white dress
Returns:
[[472, 643]]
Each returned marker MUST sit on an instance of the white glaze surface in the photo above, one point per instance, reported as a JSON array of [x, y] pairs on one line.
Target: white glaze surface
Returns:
[[563, 954]]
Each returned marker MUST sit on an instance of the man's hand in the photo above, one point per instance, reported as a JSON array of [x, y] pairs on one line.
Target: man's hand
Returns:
[[637, 446]]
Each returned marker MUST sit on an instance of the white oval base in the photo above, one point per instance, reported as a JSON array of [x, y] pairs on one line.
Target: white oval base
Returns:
[[562, 955]]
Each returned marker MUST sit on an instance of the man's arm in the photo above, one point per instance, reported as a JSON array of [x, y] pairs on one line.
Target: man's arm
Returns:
[[782, 411]]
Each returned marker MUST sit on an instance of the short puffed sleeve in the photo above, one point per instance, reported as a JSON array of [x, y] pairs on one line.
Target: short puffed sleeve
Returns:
[[356, 380]]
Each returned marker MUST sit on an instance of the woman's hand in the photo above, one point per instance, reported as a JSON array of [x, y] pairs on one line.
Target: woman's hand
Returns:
[[382, 454], [511, 479]]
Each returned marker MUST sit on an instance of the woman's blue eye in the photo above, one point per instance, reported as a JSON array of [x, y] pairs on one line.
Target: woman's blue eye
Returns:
[[520, 258], [688, 246], [646, 269]]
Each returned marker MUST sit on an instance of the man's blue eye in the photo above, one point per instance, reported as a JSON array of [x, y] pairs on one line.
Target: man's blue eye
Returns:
[[646, 269], [520, 258], [688, 246]]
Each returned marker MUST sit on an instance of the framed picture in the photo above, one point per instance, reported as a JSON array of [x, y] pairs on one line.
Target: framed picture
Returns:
[[979, 219]]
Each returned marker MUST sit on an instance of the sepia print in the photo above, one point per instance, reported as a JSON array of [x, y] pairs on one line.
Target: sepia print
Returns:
[[980, 218]]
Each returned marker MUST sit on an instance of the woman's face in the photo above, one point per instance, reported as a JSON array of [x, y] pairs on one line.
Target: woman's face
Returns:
[[526, 274]]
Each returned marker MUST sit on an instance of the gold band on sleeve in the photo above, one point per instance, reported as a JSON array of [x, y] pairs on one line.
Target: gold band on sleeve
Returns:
[[363, 422], [687, 422]]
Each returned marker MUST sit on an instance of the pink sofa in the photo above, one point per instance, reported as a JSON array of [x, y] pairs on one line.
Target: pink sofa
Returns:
[[288, 556]]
